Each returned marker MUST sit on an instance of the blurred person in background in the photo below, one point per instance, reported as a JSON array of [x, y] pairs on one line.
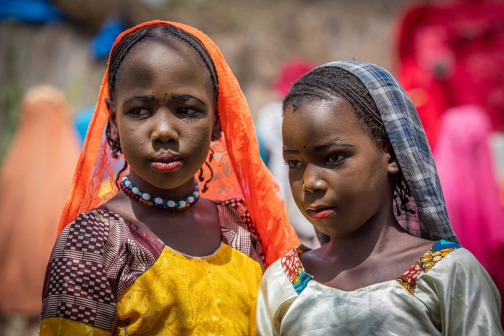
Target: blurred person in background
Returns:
[[35, 180], [451, 61], [464, 163], [269, 135], [502, 190], [452, 54]]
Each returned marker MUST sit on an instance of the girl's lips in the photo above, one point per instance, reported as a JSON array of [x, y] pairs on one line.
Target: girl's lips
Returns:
[[321, 213], [166, 166]]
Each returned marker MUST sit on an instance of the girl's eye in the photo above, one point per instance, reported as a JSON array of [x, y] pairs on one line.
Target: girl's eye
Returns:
[[139, 112], [188, 111], [293, 164], [334, 158]]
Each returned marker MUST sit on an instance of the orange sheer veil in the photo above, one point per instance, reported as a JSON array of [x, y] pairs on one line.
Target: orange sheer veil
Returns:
[[237, 166]]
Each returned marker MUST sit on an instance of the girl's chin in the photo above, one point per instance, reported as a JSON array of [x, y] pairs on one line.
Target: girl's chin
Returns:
[[162, 180]]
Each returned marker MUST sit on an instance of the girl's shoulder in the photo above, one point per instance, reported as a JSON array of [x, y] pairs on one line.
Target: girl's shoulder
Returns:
[[98, 230], [277, 292], [99, 243], [442, 261], [95, 259], [446, 261], [88, 232], [97, 221], [287, 273], [452, 284], [236, 210]]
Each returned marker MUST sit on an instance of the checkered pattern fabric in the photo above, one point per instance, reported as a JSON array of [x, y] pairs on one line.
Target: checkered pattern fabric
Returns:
[[238, 230], [412, 149], [96, 258]]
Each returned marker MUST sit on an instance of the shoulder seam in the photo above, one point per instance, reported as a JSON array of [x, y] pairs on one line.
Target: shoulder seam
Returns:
[[434, 255], [294, 269]]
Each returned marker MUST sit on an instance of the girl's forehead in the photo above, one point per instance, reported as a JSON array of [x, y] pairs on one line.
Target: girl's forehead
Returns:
[[319, 116], [157, 63], [161, 53], [318, 120]]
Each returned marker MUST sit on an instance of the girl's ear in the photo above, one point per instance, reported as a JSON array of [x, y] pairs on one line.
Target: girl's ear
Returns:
[[217, 130], [392, 164], [114, 132]]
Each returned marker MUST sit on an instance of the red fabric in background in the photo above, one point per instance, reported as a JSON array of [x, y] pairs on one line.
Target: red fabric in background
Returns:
[[452, 55], [290, 72]]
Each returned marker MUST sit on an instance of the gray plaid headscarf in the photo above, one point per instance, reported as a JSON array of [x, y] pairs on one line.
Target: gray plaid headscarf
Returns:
[[410, 145]]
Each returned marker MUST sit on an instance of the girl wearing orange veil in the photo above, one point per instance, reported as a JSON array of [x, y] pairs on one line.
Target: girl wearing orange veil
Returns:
[[180, 249], [35, 179]]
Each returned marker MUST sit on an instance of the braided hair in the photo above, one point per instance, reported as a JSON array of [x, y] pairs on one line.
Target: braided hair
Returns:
[[157, 32], [331, 82]]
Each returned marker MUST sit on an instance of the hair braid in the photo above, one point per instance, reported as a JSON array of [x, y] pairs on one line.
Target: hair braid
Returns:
[[119, 54]]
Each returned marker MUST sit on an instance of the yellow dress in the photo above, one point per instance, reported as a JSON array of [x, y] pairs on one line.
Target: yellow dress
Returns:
[[175, 294]]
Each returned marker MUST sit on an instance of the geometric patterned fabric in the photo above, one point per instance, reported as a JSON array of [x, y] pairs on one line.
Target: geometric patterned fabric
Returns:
[[434, 255], [294, 269]]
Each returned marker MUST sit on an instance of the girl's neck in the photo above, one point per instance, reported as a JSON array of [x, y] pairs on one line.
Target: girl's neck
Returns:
[[374, 237], [176, 194]]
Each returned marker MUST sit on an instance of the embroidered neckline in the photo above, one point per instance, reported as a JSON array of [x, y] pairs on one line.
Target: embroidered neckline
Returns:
[[295, 272], [435, 254], [294, 269]]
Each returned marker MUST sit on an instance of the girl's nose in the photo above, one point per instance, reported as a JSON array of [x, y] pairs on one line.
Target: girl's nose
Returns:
[[164, 128], [312, 181]]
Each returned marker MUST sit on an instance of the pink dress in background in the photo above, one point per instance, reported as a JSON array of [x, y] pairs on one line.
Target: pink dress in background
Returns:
[[464, 164]]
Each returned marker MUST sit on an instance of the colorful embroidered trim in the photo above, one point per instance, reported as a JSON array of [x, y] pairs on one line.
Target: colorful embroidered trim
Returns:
[[436, 253], [294, 270]]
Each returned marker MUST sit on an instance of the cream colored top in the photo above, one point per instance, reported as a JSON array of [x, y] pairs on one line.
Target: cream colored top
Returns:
[[446, 293]]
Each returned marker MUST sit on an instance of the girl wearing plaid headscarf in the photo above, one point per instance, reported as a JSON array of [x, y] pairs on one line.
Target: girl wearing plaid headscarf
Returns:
[[362, 173]]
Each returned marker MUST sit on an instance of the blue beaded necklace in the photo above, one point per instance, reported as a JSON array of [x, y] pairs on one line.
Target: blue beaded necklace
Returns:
[[158, 202]]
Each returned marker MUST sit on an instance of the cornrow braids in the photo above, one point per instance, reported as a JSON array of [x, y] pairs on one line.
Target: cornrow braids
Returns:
[[329, 82], [119, 54], [156, 32]]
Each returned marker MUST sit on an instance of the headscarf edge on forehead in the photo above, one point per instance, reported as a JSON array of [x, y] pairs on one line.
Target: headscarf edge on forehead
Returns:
[[259, 190], [409, 142]]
